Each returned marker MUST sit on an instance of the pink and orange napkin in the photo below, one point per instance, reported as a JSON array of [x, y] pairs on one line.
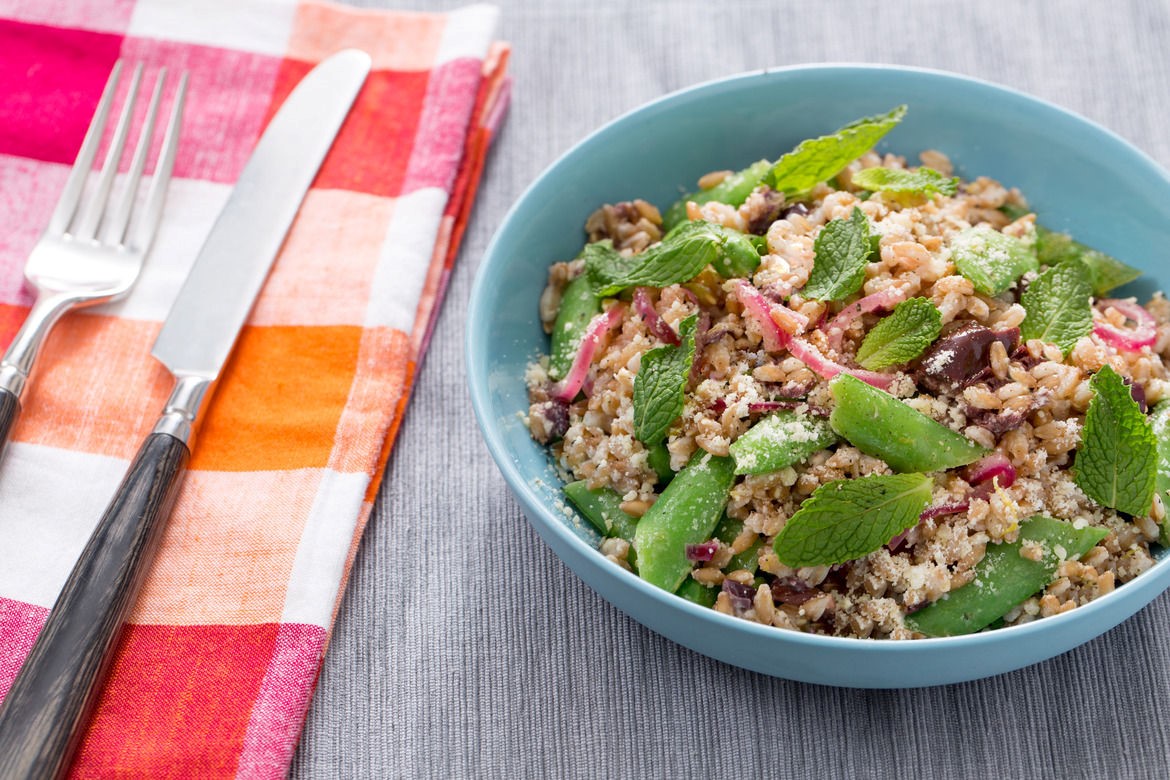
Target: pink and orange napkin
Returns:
[[214, 674]]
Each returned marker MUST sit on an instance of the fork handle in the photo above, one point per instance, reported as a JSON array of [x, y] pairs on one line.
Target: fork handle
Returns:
[[43, 717], [9, 411]]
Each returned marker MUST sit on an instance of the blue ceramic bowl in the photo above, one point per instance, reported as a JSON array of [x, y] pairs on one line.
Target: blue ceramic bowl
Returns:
[[1078, 176]]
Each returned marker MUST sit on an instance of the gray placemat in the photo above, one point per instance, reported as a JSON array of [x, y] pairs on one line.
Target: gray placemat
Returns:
[[464, 648]]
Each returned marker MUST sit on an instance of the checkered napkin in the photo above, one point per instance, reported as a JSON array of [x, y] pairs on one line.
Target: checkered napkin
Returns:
[[214, 674]]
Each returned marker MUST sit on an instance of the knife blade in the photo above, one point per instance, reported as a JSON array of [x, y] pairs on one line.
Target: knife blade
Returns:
[[42, 717]]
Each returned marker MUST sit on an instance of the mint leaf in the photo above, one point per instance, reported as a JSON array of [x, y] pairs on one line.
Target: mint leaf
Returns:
[[680, 256], [849, 518], [922, 181], [841, 250], [1004, 578], [1160, 424], [661, 383], [603, 264], [911, 328], [1105, 272], [990, 259], [779, 440], [1117, 460], [733, 191], [820, 159], [1057, 305]]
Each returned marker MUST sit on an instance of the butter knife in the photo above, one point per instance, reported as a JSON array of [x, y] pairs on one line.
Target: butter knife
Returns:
[[42, 719]]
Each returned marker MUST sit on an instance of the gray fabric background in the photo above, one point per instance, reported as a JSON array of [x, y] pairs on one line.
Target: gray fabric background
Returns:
[[464, 648]]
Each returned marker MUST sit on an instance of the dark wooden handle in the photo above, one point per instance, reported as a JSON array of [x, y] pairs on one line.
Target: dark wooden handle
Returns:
[[9, 411], [44, 715]]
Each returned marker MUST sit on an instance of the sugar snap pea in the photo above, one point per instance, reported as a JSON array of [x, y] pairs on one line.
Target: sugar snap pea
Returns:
[[658, 457], [1005, 578], [693, 590], [603, 509], [878, 424], [579, 303], [781, 439], [686, 513], [726, 532], [733, 191]]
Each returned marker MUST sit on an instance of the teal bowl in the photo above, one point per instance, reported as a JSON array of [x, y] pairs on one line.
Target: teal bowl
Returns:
[[1078, 176]]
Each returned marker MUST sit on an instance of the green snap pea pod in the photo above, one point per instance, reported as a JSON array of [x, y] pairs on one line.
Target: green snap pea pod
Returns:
[[693, 590], [1005, 578], [1160, 421], [686, 513], [579, 304], [781, 439], [658, 456], [733, 191], [749, 559], [603, 509], [737, 256], [726, 532], [878, 424]]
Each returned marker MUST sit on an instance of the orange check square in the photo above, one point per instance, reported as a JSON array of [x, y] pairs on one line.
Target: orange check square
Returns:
[[279, 400]]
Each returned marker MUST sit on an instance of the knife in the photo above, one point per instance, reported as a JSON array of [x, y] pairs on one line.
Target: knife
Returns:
[[43, 717]]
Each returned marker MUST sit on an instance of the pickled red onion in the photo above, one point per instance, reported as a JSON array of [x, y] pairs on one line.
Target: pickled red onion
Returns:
[[995, 465], [567, 389], [1143, 334], [654, 323], [885, 299], [760, 310], [765, 313]]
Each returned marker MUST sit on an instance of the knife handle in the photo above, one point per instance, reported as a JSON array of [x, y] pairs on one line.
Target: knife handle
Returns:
[[44, 715], [9, 411]]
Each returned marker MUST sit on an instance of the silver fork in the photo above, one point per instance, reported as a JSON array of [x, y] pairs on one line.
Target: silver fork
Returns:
[[90, 253]]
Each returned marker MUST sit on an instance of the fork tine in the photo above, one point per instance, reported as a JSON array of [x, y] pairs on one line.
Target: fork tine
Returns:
[[115, 222], [74, 185], [92, 210], [146, 225]]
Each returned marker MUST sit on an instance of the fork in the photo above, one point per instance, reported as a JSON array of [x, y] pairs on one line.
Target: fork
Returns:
[[90, 253]]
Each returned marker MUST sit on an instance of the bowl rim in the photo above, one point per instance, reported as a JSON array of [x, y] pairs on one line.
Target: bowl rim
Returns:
[[533, 502]]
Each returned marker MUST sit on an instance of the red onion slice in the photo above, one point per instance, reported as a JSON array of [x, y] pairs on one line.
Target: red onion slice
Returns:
[[739, 594], [703, 551], [567, 389], [885, 299], [758, 407], [929, 512], [761, 311], [776, 320], [1143, 334], [989, 467], [654, 323], [944, 509], [827, 369]]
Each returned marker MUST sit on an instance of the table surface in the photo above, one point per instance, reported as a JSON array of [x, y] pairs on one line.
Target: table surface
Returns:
[[465, 648]]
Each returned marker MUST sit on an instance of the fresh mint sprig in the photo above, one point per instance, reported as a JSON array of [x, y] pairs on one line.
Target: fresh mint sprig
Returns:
[[849, 518], [921, 181], [1058, 306], [1105, 272], [661, 383], [840, 251], [1116, 462], [992, 260], [680, 257], [904, 335], [820, 159]]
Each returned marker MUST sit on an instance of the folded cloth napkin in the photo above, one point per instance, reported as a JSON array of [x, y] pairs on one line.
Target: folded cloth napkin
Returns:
[[213, 675]]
